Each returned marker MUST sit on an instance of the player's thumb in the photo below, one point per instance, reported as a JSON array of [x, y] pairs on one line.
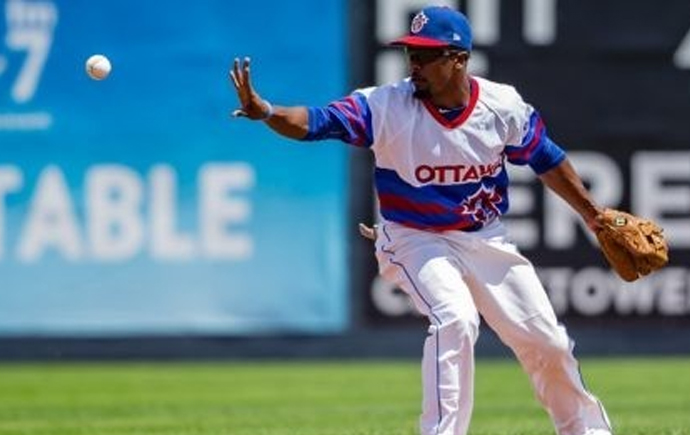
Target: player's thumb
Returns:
[[239, 113]]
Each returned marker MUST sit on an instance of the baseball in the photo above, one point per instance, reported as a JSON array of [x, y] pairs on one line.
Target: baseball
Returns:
[[98, 67]]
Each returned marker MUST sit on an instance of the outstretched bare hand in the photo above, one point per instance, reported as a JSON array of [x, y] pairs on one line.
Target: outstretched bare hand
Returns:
[[252, 105]]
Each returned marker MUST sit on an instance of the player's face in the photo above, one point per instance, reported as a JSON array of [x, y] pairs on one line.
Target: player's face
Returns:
[[432, 69]]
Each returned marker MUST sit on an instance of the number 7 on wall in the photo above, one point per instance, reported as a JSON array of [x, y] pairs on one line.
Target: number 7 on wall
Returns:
[[29, 28]]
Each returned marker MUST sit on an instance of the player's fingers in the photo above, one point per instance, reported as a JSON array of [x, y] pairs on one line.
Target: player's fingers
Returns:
[[239, 113], [234, 79], [246, 72], [367, 232], [235, 73]]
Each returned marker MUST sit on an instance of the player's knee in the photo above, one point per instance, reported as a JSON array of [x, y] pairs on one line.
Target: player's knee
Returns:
[[458, 329], [547, 334], [543, 343], [556, 347]]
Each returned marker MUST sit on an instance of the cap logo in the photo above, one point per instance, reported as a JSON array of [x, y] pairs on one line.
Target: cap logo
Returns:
[[418, 22]]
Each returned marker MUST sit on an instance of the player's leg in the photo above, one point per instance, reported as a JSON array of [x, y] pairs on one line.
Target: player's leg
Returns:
[[420, 265], [448, 359], [512, 300]]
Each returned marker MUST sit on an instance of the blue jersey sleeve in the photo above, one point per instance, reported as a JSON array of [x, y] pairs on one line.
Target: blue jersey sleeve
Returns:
[[536, 150], [347, 119]]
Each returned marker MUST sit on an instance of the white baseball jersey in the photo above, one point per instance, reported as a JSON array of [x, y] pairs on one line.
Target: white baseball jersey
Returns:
[[438, 171], [434, 170]]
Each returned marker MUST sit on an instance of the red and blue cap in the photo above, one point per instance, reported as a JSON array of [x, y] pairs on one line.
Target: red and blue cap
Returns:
[[437, 27]]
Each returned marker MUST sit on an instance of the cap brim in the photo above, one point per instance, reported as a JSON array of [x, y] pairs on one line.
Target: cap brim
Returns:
[[419, 41]]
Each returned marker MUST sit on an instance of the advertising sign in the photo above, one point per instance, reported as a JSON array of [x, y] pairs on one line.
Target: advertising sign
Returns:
[[134, 204]]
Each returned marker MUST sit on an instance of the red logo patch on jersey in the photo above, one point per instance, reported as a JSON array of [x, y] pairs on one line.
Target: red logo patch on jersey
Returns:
[[482, 205], [418, 22]]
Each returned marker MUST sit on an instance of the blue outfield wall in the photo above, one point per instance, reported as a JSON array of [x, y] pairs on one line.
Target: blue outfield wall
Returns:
[[135, 205]]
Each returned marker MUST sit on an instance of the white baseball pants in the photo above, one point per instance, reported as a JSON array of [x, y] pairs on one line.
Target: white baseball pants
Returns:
[[453, 277]]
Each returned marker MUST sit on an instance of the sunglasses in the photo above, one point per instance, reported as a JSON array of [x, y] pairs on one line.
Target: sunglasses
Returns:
[[425, 56]]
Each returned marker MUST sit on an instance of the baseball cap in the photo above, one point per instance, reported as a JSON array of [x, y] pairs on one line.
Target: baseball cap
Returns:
[[438, 26]]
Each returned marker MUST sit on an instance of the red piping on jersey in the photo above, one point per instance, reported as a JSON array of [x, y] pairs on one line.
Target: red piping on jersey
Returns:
[[474, 96]]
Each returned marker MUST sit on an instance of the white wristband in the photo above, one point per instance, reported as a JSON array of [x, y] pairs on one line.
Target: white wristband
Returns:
[[269, 110]]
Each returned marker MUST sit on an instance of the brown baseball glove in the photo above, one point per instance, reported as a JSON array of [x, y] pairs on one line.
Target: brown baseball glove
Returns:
[[633, 246]]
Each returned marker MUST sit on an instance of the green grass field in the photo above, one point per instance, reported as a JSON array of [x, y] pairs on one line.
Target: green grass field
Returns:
[[643, 396]]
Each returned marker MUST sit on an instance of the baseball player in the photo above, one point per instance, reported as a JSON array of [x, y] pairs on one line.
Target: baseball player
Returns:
[[441, 140]]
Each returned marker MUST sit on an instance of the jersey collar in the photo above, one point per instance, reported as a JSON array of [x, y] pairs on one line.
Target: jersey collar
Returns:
[[462, 117]]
